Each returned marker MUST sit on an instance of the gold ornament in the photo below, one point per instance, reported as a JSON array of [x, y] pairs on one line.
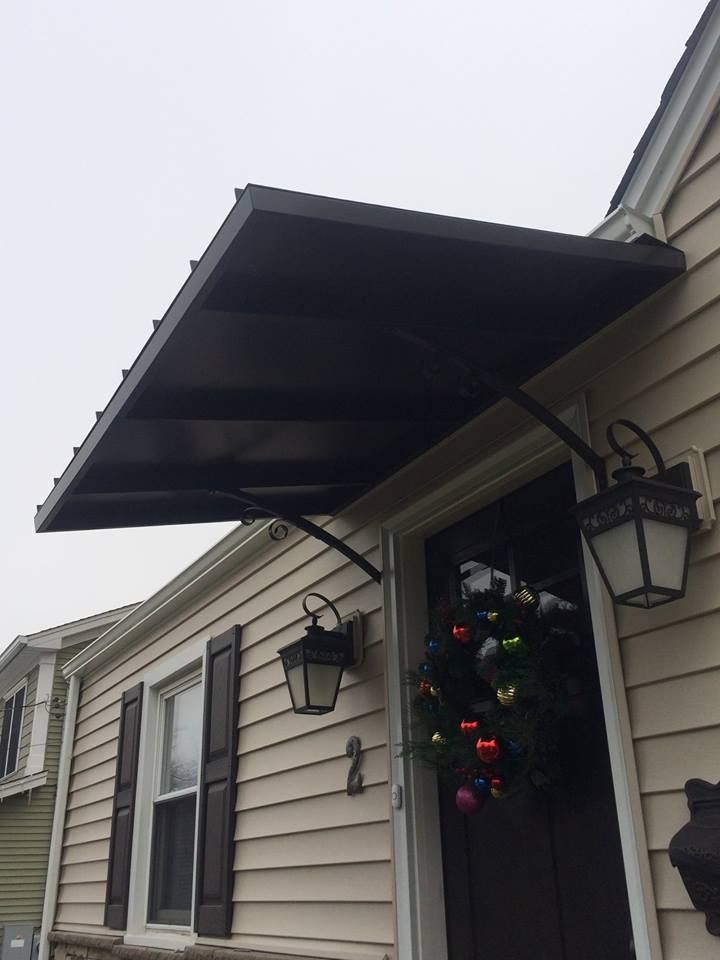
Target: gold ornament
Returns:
[[493, 616], [434, 692], [495, 793], [526, 596], [438, 739], [511, 644], [506, 695]]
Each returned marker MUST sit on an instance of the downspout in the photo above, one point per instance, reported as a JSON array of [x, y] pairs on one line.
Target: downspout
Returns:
[[58, 827]]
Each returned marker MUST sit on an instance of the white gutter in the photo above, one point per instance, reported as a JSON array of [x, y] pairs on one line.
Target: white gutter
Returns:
[[58, 827], [228, 554]]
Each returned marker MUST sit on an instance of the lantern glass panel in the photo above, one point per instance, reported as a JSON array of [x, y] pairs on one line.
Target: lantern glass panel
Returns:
[[323, 683], [666, 546], [618, 554], [296, 684]]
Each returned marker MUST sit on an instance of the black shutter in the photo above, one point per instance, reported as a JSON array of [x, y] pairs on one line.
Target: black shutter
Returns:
[[216, 821], [118, 882], [5, 736]]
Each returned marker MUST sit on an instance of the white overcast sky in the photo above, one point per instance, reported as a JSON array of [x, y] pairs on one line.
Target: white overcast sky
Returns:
[[126, 126]]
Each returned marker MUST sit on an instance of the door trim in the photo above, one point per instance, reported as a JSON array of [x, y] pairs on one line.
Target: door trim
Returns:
[[419, 895]]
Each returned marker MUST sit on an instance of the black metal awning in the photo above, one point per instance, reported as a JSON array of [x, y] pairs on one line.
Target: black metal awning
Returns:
[[320, 344]]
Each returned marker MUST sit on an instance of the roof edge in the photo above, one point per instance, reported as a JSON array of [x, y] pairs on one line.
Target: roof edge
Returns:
[[232, 550], [689, 99]]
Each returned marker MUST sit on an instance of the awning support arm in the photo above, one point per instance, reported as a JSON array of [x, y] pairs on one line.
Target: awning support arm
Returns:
[[255, 509], [474, 375]]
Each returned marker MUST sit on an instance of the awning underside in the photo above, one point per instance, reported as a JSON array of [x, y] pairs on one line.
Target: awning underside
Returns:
[[289, 366]]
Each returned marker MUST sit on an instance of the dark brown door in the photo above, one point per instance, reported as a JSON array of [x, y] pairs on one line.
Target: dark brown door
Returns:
[[538, 878]]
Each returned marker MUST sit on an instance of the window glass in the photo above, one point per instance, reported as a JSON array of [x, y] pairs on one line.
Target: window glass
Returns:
[[173, 855], [172, 863], [10, 738], [181, 747]]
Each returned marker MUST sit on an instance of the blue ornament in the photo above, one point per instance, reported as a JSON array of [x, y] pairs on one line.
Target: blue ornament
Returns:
[[425, 667], [513, 749], [481, 785], [482, 614], [433, 646]]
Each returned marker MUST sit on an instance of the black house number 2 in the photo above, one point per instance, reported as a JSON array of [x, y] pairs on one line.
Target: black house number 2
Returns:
[[355, 778]]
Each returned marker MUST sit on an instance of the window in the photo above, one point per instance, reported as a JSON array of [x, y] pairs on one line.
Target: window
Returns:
[[172, 858], [11, 727], [170, 864]]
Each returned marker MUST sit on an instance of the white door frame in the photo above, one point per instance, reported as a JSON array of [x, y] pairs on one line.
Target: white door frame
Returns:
[[419, 896]]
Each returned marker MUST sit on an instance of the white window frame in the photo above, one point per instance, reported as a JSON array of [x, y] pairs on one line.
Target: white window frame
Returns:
[[417, 852], [168, 676], [10, 695], [193, 678]]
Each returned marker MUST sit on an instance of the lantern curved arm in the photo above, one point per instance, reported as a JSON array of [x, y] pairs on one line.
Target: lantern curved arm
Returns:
[[326, 602], [624, 455]]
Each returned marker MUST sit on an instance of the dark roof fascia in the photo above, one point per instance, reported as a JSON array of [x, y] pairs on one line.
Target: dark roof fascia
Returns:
[[268, 199]]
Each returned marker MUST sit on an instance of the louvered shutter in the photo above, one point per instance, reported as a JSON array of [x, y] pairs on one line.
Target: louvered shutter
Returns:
[[216, 821], [118, 882]]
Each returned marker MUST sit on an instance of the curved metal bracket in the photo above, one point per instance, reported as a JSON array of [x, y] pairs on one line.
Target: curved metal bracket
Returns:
[[487, 378], [255, 509]]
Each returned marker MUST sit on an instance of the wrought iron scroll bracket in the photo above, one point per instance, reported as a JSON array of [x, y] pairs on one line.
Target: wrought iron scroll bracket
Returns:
[[472, 375], [353, 749], [278, 530]]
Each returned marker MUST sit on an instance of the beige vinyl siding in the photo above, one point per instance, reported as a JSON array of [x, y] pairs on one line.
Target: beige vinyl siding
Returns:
[[312, 866], [671, 656], [301, 842]]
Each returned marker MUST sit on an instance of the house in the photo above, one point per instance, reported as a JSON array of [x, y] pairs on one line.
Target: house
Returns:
[[33, 698], [435, 393]]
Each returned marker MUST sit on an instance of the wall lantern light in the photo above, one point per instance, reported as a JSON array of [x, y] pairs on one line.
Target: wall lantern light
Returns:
[[314, 664], [694, 851], [638, 530]]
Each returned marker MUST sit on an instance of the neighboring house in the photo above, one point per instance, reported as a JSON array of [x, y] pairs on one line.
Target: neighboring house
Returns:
[[33, 697], [290, 377]]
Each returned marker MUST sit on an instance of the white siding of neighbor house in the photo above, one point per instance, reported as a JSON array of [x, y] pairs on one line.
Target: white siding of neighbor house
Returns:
[[313, 866]]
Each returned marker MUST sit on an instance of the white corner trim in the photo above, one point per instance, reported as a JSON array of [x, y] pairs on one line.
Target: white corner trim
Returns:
[[623, 225], [419, 897], [23, 784], [58, 827], [631, 824], [676, 136], [35, 762]]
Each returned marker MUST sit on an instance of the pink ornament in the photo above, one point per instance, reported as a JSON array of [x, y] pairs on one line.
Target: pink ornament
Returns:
[[467, 800]]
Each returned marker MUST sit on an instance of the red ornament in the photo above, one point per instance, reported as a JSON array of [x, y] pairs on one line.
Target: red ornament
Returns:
[[488, 750], [462, 633], [496, 783], [467, 800], [424, 688], [469, 726]]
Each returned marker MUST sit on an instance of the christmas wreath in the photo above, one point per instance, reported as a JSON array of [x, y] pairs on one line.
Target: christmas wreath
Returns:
[[495, 692]]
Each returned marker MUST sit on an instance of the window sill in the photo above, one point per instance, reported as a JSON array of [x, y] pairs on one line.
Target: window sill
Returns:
[[160, 940], [22, 784]]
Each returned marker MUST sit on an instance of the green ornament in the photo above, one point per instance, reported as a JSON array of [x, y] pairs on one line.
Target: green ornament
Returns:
[[511, 644]]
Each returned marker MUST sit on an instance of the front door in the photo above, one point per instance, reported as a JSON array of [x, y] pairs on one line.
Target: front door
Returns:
[[541, 877]]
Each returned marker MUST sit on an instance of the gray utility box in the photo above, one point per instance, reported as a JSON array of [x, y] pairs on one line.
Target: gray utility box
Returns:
[[17, 942]]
